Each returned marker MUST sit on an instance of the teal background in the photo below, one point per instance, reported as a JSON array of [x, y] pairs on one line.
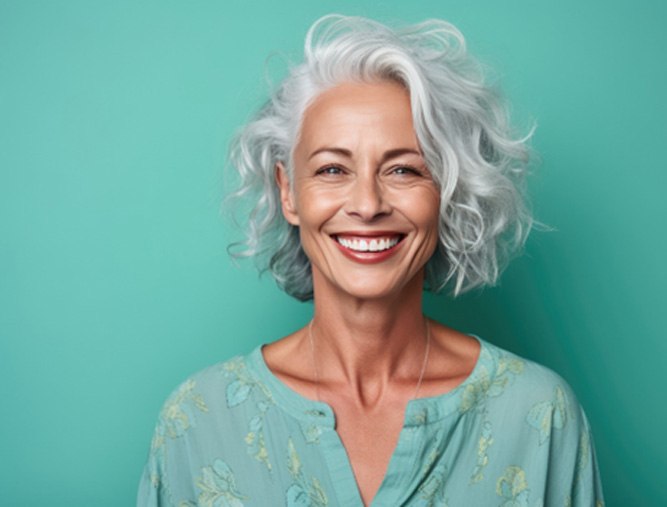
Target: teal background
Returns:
[[114, 279]]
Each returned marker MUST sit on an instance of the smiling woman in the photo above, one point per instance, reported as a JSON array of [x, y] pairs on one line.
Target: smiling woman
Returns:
[[382, 166]]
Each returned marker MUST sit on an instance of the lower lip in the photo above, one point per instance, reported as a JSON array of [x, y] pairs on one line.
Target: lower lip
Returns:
[[368, 257]]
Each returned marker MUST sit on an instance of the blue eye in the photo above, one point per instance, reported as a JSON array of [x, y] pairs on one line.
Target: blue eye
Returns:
[[330, 170]]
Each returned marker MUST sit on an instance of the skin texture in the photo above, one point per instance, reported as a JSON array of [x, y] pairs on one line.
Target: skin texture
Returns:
[[359, 174]]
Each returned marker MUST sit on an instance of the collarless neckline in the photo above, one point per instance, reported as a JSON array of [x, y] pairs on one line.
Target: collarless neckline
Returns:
[[418, 411]]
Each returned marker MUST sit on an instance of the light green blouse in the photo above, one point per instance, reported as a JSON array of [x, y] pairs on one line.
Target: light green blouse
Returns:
[[512, 434]]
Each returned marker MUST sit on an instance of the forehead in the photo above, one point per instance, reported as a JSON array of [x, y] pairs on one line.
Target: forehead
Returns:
[[351, 113]]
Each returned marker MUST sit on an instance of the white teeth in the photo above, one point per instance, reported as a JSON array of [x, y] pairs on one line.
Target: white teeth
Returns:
[[374, 245]]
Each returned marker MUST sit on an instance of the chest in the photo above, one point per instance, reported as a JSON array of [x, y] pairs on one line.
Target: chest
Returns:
[[369, 438]]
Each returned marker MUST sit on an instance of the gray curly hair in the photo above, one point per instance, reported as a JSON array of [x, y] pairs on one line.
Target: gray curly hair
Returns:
[[462, 127]]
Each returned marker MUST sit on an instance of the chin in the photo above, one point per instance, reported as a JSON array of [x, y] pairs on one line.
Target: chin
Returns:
[[367, 283], [371, 288]]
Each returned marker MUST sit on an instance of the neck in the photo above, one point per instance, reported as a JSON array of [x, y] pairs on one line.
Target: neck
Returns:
[[367, 346]]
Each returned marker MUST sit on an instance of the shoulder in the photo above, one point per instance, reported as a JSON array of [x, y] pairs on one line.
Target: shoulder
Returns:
[[523, 392], [523, 378], [210, 391], [210, 378]]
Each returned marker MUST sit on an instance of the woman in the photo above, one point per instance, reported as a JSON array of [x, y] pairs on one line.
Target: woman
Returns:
[[383, 165]]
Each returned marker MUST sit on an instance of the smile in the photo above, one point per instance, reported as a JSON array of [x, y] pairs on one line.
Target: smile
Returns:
[[368, 244]]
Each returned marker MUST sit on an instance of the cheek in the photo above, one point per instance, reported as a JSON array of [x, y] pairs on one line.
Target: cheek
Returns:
[[316, 206], [422, 207]]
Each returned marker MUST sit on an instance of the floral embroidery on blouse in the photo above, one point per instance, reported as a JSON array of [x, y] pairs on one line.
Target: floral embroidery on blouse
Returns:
[[419, 417], [218, 486], [583, 458], [301, 493], [311, 433], [545, 415], [241, 389], [583, 454], [432, 491], [177, 416], [485, 441], [513, 487], [431, 459], [488, 385]]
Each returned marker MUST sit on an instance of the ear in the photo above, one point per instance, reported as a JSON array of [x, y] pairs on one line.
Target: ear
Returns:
[[286, 195]]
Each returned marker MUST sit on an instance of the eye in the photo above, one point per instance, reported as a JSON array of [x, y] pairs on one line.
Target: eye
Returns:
[[406, 170], [330, 170]]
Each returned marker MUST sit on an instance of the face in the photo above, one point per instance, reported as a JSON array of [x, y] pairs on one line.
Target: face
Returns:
[[362, 196]]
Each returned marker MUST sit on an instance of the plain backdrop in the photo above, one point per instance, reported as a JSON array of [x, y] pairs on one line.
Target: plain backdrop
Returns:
[[115, 283]]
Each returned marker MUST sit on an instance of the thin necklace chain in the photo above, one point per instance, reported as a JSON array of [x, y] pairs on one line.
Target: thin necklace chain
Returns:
[[314, 359], [421, 373], [425, 360]]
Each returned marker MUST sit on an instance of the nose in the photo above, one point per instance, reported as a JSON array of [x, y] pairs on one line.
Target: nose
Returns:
[[366, 199]]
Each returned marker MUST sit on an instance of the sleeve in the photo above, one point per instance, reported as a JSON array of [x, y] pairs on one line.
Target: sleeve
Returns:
[[174, 461], [586, 486], [148, 489], [573, 469], [152, 485]]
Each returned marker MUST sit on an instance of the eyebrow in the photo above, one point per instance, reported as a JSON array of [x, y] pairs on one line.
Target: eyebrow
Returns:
[[397, 152]]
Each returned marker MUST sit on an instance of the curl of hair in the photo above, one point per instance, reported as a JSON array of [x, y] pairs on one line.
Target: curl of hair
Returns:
[[462, 127]]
